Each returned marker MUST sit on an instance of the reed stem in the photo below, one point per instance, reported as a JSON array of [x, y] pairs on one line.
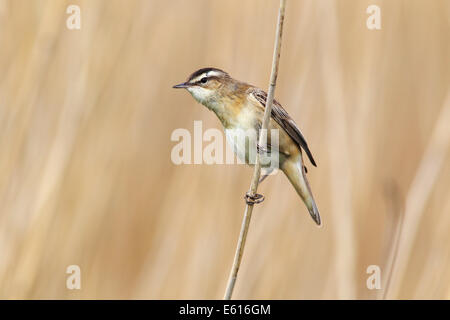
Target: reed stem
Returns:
[[257, 170]]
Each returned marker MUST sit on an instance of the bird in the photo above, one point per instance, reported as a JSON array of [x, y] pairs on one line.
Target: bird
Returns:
[[240, 107]]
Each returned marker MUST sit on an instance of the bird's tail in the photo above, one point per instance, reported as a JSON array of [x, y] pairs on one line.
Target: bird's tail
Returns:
[[296, 172]]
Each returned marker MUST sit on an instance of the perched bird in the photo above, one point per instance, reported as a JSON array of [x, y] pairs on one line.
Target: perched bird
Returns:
[[239, 105]]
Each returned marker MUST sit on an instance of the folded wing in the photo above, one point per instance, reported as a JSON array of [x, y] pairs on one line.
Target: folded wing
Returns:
[[284, 120]]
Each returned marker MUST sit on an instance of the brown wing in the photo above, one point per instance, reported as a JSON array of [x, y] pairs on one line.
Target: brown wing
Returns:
[[284, 120]]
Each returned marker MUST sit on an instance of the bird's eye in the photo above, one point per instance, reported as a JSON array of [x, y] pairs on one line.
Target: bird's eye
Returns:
[[203, 80]]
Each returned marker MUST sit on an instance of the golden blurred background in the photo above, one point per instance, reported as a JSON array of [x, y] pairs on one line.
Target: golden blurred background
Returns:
[[86, 176]]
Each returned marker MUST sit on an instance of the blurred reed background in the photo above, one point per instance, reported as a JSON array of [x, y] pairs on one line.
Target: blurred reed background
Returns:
[[86, 176]]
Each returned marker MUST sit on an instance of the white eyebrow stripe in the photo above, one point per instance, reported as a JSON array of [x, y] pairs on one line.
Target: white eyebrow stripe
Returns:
[[214, 73], [206, 74]]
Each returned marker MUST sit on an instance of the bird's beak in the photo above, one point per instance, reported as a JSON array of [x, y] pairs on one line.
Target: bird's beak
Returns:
[[181, 85]]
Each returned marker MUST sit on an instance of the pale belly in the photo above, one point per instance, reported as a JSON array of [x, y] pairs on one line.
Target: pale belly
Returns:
[[244, 144], [242, 136]]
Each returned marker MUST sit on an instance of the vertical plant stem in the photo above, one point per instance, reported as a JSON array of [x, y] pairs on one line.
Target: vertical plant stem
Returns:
[[257, 170], [427, 175]]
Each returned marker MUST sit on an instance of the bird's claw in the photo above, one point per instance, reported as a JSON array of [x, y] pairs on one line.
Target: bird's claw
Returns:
[[253, 199]]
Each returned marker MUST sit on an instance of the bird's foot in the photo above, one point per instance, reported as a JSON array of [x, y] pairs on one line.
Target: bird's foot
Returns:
[[253, 199]]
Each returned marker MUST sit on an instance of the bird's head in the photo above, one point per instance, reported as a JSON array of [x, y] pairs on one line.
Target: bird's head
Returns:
[[207, 85]]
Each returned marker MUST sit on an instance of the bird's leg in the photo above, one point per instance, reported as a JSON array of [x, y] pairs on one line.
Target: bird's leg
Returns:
[[265, 173], [257, 198], [264, 176], [261, 150]]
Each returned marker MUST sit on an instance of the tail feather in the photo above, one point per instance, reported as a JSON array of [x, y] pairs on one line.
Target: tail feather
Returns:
[[296, 173]]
